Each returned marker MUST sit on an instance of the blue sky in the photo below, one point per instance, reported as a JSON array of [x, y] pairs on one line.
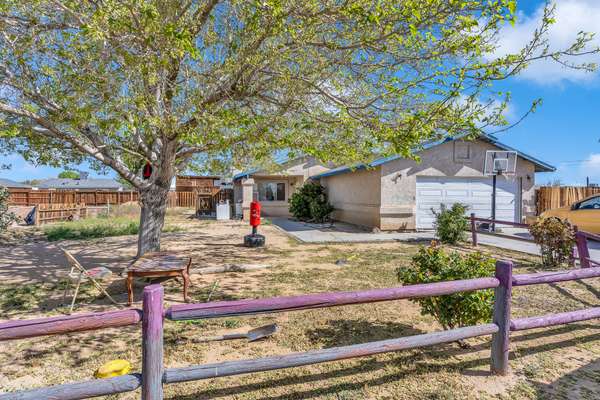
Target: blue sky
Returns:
[[565, 130]]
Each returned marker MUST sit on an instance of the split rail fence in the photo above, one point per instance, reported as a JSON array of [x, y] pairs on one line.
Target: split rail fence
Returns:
[[154, 375], [581, 238]]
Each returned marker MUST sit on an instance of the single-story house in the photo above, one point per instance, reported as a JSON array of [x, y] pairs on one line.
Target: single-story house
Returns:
[[80, 184], [396, 193], [10, 184], [273, 189]]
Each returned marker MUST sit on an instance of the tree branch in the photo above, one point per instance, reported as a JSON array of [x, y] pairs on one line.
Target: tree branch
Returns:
[[49, 130]]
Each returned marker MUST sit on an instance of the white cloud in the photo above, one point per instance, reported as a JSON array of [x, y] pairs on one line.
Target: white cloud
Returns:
[[572, 16], [576, 172], [591, 166], [509, 112]]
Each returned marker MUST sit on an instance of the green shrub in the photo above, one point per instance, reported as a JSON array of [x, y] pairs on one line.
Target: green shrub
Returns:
[[310, 203], [556, 239], [433, 264], [450, 224], [6, 217]]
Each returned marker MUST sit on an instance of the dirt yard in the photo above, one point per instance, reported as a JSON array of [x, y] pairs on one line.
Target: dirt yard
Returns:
[[554, 363]]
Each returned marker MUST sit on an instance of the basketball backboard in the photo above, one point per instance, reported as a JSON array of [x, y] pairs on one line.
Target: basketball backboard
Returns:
[[500, 162]]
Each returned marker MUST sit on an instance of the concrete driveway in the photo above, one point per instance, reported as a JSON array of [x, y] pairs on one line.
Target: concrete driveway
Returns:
[[340, 232]]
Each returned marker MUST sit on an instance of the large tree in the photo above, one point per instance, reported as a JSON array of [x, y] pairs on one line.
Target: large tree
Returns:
[[174, 83]]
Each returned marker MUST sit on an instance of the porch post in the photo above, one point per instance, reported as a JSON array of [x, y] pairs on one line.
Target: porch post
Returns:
[[247, 197]]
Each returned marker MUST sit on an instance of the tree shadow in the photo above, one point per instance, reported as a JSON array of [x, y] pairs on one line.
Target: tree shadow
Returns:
[[582, 383], [344, 332], [569, 295], [422, 362], [589, 287]]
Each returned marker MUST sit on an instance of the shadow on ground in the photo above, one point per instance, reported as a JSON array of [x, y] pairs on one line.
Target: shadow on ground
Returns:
[[441, 358]]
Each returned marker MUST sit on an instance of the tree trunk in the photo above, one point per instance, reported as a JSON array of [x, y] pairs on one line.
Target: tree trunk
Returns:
[[152, 218]]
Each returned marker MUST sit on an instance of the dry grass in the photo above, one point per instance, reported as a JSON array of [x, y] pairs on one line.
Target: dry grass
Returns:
[[558, 362]]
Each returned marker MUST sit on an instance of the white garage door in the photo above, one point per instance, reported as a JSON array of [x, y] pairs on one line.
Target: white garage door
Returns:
[[476, 193]]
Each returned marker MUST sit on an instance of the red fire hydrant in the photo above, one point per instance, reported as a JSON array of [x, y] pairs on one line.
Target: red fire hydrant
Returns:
[[254, 239]]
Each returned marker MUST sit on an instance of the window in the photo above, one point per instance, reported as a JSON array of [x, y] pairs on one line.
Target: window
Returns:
[[462, 152], [271, 191], [590, 204]]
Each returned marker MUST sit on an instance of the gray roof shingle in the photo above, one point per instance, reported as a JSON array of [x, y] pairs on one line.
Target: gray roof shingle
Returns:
[[12, 184], [60, 183]]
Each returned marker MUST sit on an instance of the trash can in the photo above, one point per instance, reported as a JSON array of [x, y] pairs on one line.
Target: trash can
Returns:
[[223, 211]]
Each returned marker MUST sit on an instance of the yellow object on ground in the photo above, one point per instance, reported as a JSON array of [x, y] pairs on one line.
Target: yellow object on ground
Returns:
[[113, 368]]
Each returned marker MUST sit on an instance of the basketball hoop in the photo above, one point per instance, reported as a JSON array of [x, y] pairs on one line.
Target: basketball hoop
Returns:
[[499, 163]]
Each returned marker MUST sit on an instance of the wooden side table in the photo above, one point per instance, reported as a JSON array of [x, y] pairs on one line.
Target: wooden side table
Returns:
[[160, 264]]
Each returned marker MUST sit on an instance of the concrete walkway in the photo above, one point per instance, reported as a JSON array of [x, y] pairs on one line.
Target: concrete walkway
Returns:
[[340, 232]]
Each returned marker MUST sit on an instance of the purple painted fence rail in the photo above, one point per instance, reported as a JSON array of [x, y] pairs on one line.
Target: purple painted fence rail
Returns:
[[229, 368], [321, 300], [80, 390], [581, 239], [20, 329], [555, 276], [554, 319], [498, 222], [154, 375]]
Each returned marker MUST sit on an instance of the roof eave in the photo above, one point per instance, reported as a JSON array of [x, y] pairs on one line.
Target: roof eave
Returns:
[[540, 166]]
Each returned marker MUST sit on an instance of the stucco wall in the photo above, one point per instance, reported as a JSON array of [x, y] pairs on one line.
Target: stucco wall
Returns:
[[355, 196], [399, 177], [276, 208]]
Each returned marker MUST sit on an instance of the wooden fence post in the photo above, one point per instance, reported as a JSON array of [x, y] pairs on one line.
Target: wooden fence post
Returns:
[[582, 249], [152, 343], [501, 317], [473, 231]]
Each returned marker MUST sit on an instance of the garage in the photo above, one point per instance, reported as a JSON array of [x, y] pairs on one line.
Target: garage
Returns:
[[476, 193]]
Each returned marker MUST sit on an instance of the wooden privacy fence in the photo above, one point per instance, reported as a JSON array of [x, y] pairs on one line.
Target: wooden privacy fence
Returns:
[[101, 198], [46, 213], [153, 375], [549, 197], [93, 198], [190, 199]]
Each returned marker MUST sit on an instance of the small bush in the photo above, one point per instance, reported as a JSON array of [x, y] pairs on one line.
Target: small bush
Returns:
[[556, 239], [6, 217], [450, 224], [310, 203], [433, 264]]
